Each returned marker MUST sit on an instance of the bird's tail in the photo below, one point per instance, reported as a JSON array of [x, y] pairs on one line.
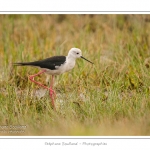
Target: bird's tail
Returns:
[[22, 64]]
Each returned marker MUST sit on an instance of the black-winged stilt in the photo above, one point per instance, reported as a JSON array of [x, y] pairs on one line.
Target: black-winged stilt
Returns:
[[54, 66]]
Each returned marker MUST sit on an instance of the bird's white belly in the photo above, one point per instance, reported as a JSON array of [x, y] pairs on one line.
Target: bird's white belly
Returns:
[[53, 72]]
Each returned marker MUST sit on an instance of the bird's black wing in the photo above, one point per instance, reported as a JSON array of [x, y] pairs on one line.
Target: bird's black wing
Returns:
[[49, 63]]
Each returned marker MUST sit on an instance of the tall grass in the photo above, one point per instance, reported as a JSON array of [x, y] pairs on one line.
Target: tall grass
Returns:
[[110, 97]]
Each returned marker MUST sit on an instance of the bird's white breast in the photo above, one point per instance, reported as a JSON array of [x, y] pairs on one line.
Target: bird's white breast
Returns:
[[69, 65]]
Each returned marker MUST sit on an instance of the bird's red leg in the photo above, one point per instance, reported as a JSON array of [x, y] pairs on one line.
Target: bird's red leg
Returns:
[[31, 77], [51, 91]]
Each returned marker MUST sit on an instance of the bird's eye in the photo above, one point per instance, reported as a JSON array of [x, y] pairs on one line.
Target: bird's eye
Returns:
[[77, 53]]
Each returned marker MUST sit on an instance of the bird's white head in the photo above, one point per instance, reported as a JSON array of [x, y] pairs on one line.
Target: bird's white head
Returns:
[[76, 53]]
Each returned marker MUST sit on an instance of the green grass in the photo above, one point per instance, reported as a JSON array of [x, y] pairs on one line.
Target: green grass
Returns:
[[111, 97]]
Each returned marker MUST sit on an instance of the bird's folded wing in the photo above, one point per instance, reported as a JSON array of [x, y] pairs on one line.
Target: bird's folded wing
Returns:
[[51, 63]]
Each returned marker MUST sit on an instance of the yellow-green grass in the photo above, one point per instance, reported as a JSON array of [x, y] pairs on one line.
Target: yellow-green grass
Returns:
[[111, 97]]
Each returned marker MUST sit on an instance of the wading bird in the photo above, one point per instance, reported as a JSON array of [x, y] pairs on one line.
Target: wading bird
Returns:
[[54, 66]]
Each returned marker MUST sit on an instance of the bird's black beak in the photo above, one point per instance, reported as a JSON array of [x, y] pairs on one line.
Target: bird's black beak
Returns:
[[86, 59]]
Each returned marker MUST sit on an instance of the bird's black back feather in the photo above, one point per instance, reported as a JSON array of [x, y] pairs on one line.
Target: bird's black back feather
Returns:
[[49, 63]]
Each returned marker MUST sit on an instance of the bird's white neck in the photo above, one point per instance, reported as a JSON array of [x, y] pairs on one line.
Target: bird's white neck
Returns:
[[70, 63], [71, 58]]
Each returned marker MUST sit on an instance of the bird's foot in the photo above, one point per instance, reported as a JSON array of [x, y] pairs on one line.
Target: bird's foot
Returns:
[[31, 77]]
